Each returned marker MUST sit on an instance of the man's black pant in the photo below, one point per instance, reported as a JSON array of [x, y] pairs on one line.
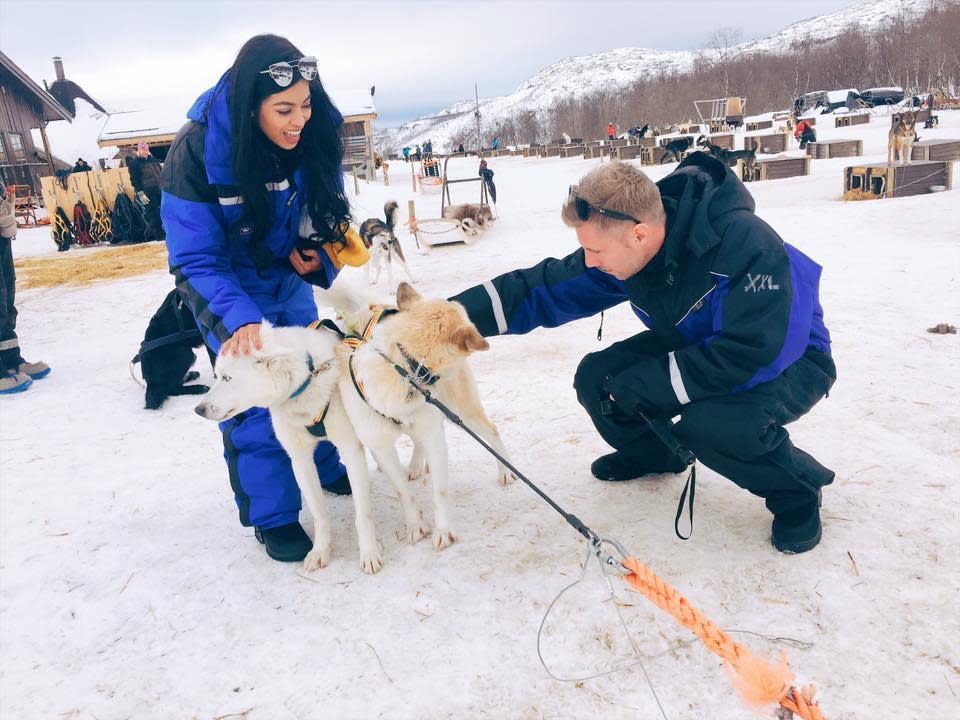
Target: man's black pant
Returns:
[[152, 215], [739, 436], [10, 358]]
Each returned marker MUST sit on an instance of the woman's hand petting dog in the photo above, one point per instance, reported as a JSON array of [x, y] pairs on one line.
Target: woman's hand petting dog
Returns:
[[245, 339], [302, 266]]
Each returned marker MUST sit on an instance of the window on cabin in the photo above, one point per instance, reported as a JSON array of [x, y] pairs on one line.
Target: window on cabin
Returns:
[[16, 148]]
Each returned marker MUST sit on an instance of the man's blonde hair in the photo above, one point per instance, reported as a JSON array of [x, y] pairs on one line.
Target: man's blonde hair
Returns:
[[616, 186]]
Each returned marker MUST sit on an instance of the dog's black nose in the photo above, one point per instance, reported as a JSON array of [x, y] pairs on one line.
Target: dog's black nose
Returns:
[[200, 410]]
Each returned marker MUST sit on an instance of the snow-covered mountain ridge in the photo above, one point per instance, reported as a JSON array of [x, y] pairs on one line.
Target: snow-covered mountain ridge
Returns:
[[586, 75]]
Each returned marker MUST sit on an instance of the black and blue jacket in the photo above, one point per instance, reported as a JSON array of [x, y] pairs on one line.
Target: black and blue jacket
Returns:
[[208, 236], [728, 304]]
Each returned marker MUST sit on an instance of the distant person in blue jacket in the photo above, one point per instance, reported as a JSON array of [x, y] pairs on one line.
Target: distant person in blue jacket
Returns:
[[406, 154], [258, 160], [495, 145], [736, 345]]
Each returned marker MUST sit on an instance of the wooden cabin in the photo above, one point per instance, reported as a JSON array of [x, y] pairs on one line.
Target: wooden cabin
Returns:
[[24, 107]]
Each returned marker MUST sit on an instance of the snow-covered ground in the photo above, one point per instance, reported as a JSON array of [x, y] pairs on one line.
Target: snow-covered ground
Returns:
[[128, 589]]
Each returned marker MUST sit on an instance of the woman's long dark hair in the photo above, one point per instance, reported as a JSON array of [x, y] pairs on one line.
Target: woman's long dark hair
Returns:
[[320, 149]]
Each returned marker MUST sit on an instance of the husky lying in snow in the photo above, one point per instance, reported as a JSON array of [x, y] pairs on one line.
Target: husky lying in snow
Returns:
[[303, 373], [473, 217], [383, 244]]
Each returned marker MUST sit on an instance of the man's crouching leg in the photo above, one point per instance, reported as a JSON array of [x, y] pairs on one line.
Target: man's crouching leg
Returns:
[[638, 452], [744, 441]]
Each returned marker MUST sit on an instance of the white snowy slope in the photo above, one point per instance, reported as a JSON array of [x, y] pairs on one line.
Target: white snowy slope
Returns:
[[585, 75], [128, 588]]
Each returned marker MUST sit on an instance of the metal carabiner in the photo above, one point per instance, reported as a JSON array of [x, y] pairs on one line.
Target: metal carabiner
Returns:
[[611, 563]]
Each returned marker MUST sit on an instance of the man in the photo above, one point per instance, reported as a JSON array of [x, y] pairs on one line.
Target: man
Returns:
[[804, 132], [145, 172], [736, 344], [487, 175], [611, 131], [16, 374]]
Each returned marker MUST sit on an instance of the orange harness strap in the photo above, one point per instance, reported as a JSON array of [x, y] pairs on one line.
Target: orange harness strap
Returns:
[[757, 681]]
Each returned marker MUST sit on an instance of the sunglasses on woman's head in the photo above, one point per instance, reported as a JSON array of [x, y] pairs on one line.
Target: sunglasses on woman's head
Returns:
[[584, 208], [282, 72]]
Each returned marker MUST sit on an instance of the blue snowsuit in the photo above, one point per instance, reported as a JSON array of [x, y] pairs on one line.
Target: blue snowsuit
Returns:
[[208, 239]]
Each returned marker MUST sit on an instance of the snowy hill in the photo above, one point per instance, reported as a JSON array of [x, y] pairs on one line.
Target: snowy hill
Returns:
[[587, 74]]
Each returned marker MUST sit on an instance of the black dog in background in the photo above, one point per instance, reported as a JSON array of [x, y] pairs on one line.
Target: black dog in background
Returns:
[[674, 148], [166, 354]]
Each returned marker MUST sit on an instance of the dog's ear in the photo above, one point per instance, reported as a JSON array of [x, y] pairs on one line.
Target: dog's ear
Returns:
[[468, 339], [406, 296]]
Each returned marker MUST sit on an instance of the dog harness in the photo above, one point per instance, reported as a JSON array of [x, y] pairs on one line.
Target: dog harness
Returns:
[[421, 372]]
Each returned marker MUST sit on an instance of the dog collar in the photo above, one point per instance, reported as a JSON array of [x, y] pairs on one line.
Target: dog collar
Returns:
[[306, 383], [421, 373]]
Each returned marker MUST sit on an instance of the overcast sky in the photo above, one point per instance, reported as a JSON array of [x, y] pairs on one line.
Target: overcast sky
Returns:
[[422, 56]]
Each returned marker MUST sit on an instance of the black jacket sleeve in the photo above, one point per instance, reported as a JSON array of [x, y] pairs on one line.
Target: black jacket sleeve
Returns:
[[551, 293]]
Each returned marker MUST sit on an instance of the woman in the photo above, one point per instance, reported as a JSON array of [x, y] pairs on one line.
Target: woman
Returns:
[[259, 158]]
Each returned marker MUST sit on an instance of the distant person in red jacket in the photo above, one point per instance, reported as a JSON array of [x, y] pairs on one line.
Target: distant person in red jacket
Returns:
[[804, 132], [611, 131]]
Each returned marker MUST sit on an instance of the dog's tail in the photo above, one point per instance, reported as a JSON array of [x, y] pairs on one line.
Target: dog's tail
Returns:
[[346, 298], [391, 214]]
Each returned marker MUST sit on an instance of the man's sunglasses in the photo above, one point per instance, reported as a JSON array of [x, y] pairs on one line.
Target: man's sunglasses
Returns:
[[282, 72], [584, 209]]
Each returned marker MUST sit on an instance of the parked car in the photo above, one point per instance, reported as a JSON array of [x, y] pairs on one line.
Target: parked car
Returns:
[[842, 99], [809, 101], [874, 97]]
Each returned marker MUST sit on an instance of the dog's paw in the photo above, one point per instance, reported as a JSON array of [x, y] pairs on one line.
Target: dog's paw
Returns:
[[443, 539], [505, 477], [417, 471], [417, 531], [371, 564], [317, 558]]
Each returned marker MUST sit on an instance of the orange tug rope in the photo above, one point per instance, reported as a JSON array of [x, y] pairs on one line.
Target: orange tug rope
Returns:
[[758, 682]]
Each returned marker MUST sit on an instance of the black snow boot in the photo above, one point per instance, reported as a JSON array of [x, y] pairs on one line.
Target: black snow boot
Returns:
[[340, 486], [798, 530], [619, 466], [286, 543]]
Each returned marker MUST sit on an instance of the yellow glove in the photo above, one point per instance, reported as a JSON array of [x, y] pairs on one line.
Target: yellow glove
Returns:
[[348, 251]]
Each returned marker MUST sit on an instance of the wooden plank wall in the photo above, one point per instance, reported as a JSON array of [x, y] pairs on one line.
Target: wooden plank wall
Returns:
[[85, 185]]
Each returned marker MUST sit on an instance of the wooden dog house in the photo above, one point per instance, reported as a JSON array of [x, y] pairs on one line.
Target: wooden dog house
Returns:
[[629, 152], [767, 144], [936, 150], [775, 169], [851, 119], [899, 180], [724, 140], [835, 149], [759, 125]]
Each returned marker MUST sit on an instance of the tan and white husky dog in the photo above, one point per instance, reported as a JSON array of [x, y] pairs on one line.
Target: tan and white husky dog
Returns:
[[901, 138], [315, 386]]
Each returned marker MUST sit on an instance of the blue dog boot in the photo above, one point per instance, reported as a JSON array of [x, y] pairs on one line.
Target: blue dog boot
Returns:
[[35, 370], [14, 382]]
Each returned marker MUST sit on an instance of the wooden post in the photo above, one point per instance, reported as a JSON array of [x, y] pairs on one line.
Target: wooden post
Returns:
[[412, 219], [413, 178], [373, 163], [356, 181], [46, 146], [385, 166]]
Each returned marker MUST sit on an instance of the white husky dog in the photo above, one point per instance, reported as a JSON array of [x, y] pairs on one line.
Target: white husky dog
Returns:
[[302, 374]]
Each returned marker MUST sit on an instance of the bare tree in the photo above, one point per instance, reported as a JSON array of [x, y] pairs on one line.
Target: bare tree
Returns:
[[723, 41]]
